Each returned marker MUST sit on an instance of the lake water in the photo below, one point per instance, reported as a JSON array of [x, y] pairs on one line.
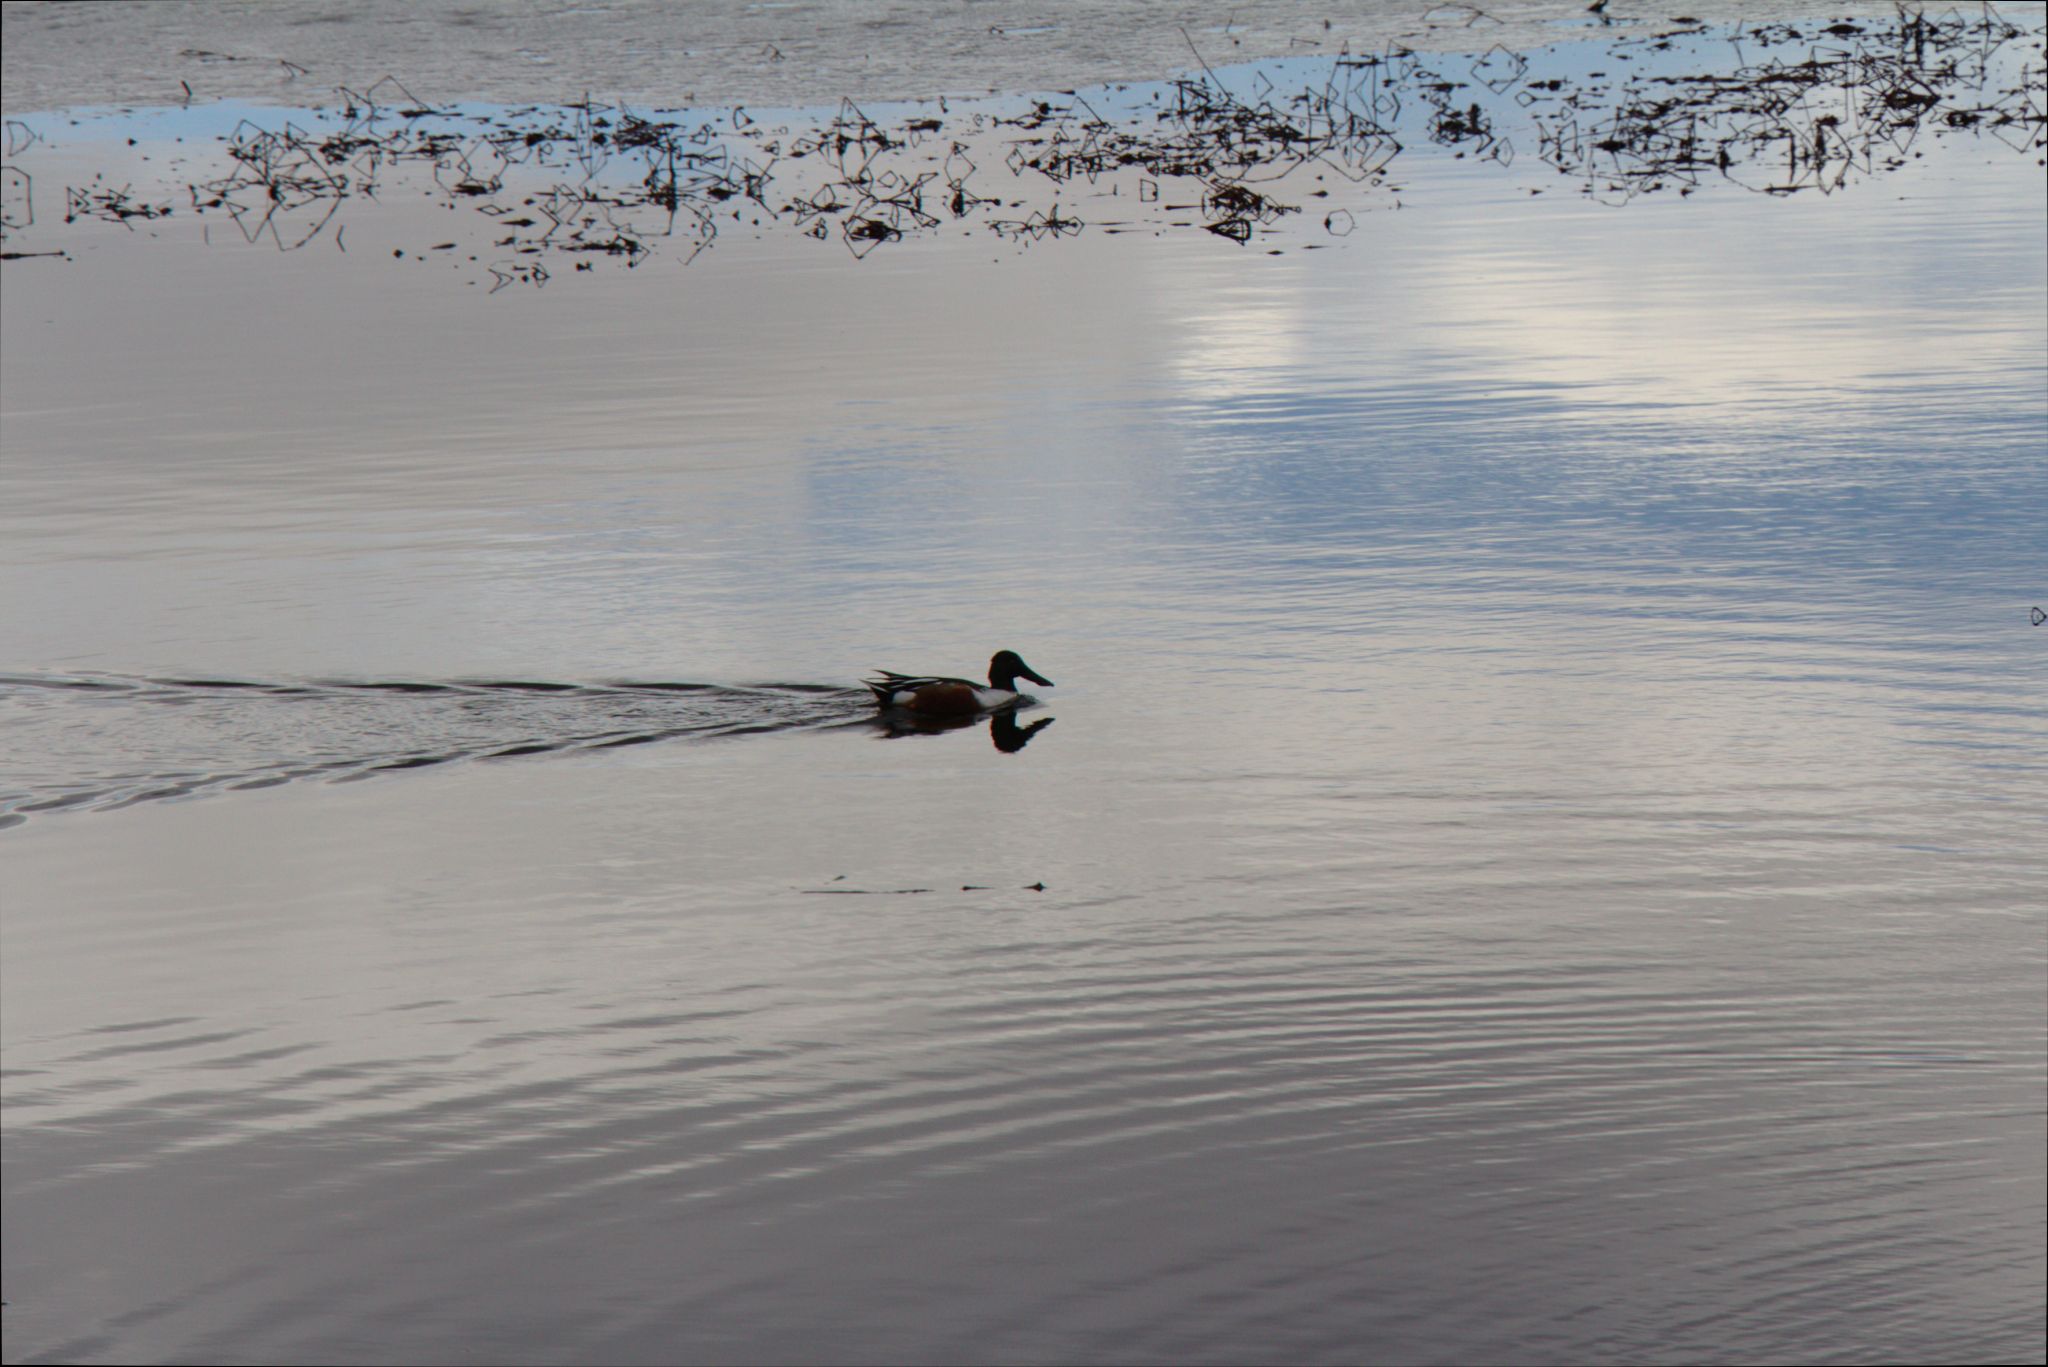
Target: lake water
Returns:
[[1533, 852]]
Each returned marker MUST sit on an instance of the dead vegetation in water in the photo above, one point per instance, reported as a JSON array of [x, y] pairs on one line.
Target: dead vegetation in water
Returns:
[[1854, 103], [1774, 109]]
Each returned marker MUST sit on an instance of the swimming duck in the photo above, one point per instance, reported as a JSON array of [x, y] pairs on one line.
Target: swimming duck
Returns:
[[935, 695]]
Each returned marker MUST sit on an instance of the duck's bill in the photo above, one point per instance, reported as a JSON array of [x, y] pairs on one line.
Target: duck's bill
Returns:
[[1036, 678]]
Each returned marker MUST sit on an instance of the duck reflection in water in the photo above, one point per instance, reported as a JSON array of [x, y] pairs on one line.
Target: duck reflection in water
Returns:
[[1009, 737]]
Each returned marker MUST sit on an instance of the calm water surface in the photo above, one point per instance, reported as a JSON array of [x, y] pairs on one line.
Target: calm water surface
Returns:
[[1533, 853]]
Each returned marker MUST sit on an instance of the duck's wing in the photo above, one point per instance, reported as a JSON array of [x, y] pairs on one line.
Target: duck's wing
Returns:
[[895, 680], [887, 683]]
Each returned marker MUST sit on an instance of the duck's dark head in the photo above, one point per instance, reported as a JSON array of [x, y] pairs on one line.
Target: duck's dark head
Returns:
[[1005, 669]]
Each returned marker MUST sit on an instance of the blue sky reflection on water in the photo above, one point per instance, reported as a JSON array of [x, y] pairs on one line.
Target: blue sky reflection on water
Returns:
[[1720, 388]]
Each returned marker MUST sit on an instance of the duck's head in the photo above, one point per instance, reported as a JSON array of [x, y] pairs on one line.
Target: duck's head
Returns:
[[1007, 667]]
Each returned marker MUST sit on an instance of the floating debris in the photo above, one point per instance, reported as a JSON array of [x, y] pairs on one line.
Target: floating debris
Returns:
[[903, 892], [100, 202]]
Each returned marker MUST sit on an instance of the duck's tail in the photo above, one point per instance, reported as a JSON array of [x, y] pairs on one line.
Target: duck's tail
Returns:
[[887, 683]]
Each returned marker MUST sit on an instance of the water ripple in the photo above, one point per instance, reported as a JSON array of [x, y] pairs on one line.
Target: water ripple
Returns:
[[102, 742]]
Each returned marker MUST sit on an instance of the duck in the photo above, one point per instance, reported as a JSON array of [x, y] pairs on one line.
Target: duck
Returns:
[[938, 695]]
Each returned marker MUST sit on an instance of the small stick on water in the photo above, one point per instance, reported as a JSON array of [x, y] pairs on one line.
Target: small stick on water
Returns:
[[1198, 55]]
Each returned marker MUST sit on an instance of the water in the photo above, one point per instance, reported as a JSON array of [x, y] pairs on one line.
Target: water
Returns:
[[1532, 853]]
